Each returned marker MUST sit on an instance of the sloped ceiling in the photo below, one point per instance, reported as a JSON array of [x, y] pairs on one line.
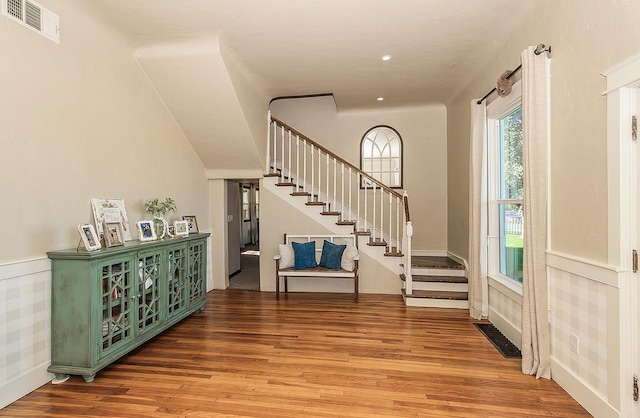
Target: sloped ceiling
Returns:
[[303, 47], [193, 81]]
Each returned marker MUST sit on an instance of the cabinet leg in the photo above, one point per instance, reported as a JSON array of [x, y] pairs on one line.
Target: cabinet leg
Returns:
[[60, 378], [89, 378]]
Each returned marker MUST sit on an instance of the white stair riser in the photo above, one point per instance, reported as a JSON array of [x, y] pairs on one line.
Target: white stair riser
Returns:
[[436, 303], [423, 271], [440, 286]]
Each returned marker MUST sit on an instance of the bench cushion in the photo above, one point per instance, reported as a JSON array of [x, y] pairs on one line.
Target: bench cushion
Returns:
[[331, 257]]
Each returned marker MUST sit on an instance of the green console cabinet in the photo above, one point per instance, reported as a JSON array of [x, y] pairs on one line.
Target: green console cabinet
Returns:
[[106, 303]]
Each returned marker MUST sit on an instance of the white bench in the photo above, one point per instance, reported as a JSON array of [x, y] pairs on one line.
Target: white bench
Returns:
[[351, 256]]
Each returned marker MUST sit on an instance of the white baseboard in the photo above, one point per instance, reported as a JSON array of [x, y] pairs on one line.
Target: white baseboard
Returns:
[[16, 388], [458, 259], [428, 253], [581, 392], [506, 328]]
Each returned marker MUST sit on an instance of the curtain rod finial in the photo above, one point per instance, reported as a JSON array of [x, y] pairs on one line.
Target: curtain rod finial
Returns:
[[542, 48]]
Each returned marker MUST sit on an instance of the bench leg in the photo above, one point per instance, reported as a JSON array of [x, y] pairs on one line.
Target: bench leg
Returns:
[[286, 285]]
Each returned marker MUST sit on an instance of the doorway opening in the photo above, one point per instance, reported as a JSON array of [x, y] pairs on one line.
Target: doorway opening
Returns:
[[244, 205]]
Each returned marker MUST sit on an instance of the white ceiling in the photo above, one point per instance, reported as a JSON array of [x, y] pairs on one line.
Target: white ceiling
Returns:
[[299, 47]]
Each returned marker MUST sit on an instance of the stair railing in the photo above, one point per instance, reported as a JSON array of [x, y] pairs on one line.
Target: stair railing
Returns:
[[344, 190]]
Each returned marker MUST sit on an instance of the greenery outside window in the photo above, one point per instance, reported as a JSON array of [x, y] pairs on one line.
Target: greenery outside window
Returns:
[[505, 191]]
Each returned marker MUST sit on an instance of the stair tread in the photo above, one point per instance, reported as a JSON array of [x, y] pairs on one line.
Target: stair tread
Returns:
[[346, 223], [314, 203], [300, 194], [285, 184], [435, 262], [377, 243], [393, 254], [363, 232], [438, 294], [272, 175], [435, 279], [330, 213]]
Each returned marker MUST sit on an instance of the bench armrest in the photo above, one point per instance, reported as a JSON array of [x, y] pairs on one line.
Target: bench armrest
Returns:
[[277, 257]]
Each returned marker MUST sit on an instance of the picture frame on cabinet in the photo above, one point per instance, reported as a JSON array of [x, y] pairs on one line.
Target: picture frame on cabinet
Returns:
[[192, 223], [113, 235], [181, 228], [89, 237], [110, 210], [146, 231]]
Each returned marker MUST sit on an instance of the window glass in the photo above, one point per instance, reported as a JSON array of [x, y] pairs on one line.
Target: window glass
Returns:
[[506, 187], [381, 156]]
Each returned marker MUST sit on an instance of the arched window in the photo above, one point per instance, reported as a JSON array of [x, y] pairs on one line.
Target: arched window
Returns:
[[381, 156]]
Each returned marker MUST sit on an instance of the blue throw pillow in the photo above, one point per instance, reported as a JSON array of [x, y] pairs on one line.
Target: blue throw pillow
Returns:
[[331, 255], [304, 255]]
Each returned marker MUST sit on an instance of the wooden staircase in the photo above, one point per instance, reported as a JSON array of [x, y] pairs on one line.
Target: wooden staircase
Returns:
[[375, 212], [438, 282]]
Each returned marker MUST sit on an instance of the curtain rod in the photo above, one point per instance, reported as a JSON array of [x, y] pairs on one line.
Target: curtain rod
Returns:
[[539, 50]]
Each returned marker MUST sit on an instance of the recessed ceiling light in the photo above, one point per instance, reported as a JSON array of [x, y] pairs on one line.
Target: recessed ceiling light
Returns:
[[380, 99], [386, 57]]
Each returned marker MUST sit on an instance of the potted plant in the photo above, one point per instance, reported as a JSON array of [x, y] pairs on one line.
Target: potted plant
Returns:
[[159, 208]]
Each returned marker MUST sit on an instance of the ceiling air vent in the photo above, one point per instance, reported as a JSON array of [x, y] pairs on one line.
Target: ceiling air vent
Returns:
[[33, 16]]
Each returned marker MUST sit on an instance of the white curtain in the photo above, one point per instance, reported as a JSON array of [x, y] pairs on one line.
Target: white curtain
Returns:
[[535, 130], [478, 289]]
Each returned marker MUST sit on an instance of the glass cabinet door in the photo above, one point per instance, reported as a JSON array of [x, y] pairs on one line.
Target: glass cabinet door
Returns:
[[116, 281], [197, 271], [177, 280], [148, 286]]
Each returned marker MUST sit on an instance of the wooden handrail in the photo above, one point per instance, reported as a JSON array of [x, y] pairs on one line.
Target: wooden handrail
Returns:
[[406, 209], [342, 160]]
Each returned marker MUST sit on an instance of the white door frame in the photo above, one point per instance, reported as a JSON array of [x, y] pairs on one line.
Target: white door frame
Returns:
[[623, 84]]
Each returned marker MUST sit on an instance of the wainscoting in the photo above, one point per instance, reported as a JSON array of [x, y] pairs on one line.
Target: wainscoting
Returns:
[[25, 327], [583, 301]]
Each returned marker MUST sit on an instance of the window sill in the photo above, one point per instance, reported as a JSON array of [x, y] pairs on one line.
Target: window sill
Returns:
[[506, 286]]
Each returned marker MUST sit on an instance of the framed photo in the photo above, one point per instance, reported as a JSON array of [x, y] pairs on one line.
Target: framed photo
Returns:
[[113, 234], [111, 210], [89, 237], [146, 231], [181, 228], [191, 221]]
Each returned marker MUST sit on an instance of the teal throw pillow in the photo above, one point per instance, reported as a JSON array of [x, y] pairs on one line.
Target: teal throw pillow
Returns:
[[331, 257], [304, 255]]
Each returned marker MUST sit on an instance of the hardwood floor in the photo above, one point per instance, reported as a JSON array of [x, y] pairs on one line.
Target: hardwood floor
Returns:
[[309, 355]]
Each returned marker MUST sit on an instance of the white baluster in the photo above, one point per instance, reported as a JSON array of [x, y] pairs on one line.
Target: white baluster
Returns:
[[319, 172], [282, 156], [269, 123], [297, 163], [373, 205], [304, 166], [312, 172], [342, 193], [350, 201], [390, 221], [327, 206], [398, 213], [359, 179], [289, 162]]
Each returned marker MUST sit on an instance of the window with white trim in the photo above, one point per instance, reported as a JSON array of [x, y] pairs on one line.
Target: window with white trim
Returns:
[[505, 186], [381, 156]]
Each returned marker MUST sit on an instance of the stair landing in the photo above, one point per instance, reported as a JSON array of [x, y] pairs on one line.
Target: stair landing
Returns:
[[437, 282]]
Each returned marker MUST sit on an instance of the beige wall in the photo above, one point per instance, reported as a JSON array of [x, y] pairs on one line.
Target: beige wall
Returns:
[[279, 217], [81, 120], [423, 131], [587, 36]]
